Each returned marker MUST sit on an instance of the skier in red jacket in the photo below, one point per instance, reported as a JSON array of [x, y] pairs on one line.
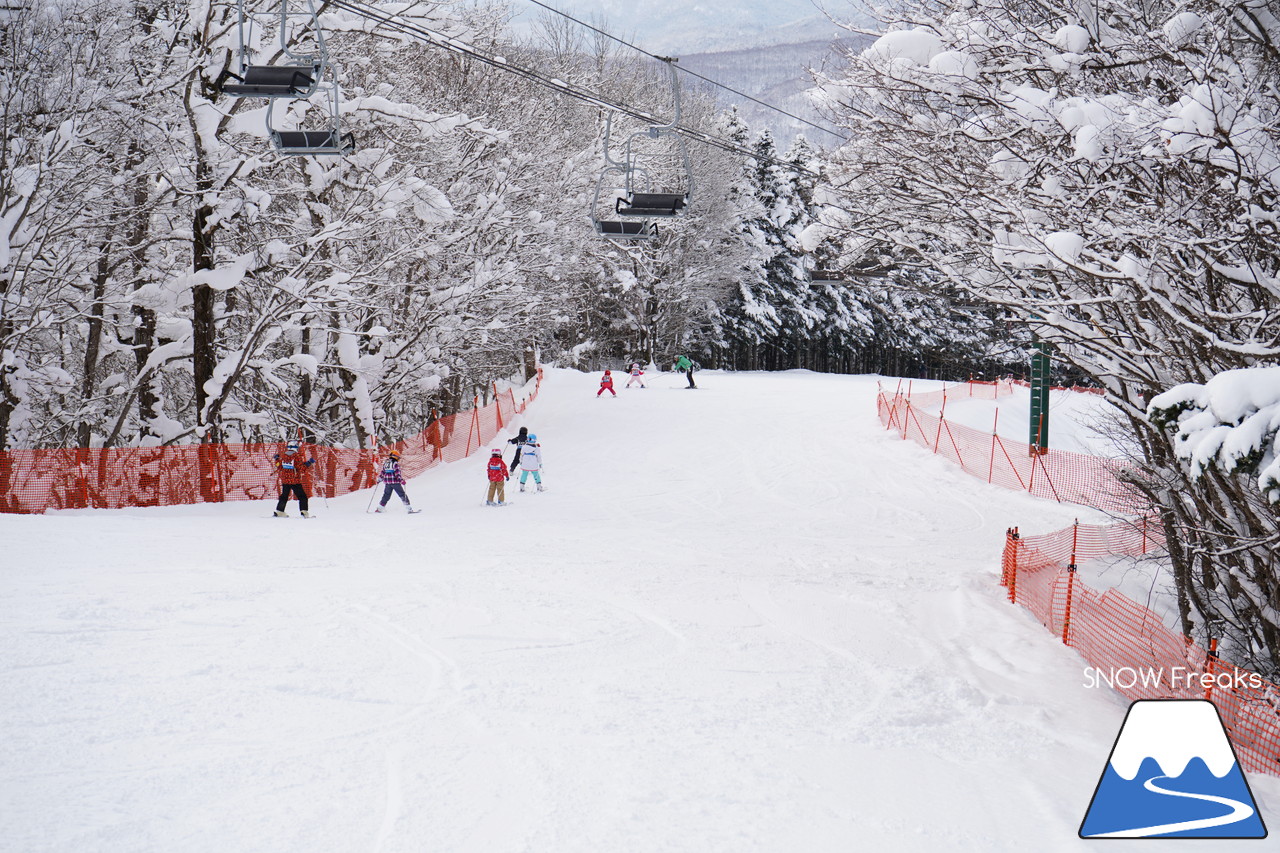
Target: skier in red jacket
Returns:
[[606, 384], [497, 470], [293, 478]]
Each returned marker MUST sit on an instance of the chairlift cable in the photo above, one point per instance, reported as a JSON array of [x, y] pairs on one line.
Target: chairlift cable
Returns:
[[639, 49], [573, 90]]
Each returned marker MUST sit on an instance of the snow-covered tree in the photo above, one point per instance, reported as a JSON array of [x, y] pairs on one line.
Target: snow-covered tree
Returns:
[[1109, 174], [1231, 422]]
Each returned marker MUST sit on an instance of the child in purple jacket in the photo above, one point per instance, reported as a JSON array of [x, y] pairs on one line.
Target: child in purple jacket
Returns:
[[393, 477]]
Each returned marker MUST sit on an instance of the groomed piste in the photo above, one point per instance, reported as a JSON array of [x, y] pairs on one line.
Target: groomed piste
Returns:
[[742, 618]]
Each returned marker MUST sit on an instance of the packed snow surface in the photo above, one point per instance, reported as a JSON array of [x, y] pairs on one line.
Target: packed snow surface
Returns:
[[742, 618]]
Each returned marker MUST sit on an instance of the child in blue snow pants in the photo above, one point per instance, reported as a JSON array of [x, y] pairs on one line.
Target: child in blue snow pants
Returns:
[[393, 477]]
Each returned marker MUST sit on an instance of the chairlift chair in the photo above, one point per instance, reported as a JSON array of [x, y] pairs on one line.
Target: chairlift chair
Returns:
[[326, 140], [274, 81], [662, 195], [298, 77], [302, 76], [616, 229]]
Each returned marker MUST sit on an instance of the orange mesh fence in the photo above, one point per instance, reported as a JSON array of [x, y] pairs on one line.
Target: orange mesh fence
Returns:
[[32, 481], [1056, 474], [1127, 643]]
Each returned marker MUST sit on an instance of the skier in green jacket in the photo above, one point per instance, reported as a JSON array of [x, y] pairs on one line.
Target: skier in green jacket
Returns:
[[685, 366]]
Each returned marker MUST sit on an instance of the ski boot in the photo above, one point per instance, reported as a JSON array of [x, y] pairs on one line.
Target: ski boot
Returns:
[[379, 509], [306, 514], [281, 514]]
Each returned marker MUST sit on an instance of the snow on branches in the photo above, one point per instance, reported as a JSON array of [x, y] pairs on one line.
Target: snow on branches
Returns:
[[1232, 422]]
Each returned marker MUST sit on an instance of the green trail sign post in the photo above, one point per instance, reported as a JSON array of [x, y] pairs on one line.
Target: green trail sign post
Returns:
[[1039, 396]]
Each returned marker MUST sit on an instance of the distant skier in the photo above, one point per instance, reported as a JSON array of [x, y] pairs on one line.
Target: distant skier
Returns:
[[498, 476], [393, 477], [531, 462], [636, 372], [685, 366], [519, 441], [293, 477], [606, 384]]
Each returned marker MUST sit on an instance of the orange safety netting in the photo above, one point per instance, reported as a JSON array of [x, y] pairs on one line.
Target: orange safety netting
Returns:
[[1124, 641], [1128, 643], [1056, 474], [32, 481]]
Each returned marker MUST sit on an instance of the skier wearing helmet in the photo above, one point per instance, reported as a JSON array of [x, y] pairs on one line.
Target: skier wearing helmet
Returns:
[[531, 462], [292, 471], [498, 474], [637, 372], [606, 384], [519, 441], [393, 477]]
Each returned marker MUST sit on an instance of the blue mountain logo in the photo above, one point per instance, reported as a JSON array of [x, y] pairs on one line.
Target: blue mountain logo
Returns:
[[1172, 774]]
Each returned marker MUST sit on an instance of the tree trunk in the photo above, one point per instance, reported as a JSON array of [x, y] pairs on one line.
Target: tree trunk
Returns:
[[93, 342]]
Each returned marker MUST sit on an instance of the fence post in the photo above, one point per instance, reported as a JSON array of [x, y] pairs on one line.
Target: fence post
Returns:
[[1144, 535], [1071, 589], [1208, 667], [1009, 563], [991, 466], [475, 424], [942, 415], [497, 404], [1031, 481]]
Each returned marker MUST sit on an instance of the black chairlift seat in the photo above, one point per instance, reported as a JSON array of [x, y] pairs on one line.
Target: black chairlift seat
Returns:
[[613, 230], [274, 81], [651, 204], [321, 142]]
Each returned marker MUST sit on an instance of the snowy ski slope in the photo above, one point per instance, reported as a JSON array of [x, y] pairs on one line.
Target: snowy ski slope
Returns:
[[741, 619]]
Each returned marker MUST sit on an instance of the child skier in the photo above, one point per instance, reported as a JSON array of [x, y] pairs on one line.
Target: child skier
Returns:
[[293, 476], [393, 477], [519, 441], [606, 384], [636, 372], [498, 475], [531, 462]]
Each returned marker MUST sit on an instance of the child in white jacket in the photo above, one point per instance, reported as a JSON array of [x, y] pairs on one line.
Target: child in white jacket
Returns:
[[531, 462]]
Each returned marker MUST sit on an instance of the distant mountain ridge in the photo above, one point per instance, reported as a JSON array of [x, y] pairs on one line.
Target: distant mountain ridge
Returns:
[[763, 48], [677, 27], [777, 74]]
